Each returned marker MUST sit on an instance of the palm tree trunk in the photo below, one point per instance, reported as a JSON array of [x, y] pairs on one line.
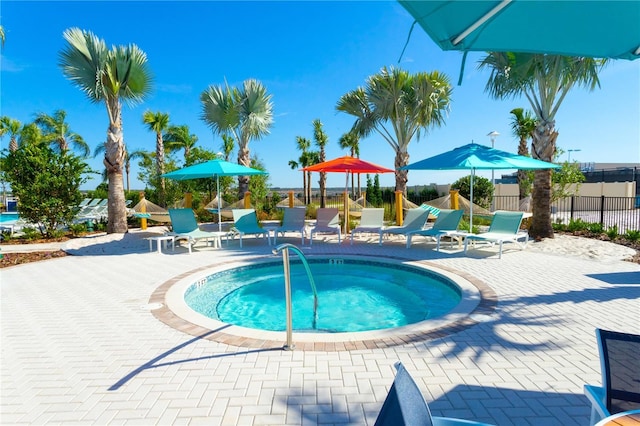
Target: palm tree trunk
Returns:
[[543, 148], [114, 158], [522, 175], [243, 181], [402, 159], [304, 187], [160, 167], [323, 189], [541, 221]]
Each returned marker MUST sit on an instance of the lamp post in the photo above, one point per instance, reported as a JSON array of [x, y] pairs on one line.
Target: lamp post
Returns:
[[493, 135], [569, 151]]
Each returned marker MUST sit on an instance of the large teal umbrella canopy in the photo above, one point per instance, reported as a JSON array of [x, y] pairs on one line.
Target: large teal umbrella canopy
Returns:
[[210, 169], [478, 157], [590, 28]]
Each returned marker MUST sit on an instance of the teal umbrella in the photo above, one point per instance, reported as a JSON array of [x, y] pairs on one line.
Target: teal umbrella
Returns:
[[594, 28], [478, 157], [210, 169]]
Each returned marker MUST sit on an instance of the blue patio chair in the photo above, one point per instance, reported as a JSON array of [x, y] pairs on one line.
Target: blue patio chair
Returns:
[[620, 368], [405, 405], [185, 227], [245, 222], [504, 228], [446, 221]]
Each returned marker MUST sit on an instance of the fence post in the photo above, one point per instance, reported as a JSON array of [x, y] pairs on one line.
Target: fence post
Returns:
[[572, 208], [602, 210]]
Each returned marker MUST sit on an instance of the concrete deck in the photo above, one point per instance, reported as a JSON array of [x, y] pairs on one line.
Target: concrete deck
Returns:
[[81, 345]]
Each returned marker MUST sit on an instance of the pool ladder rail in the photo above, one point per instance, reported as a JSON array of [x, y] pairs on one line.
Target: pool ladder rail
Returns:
[[285, 248]]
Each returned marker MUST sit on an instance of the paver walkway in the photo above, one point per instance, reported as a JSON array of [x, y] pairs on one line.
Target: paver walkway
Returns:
[[80, 345]]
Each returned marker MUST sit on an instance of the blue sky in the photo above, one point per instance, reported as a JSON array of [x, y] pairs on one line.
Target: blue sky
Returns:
[[307, 54]]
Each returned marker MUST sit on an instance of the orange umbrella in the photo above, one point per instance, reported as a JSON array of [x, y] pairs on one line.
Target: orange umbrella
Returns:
[[347, 164]]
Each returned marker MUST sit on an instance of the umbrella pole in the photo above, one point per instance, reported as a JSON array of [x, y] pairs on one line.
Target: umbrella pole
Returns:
[[471, 205], [346, 206], [219, 203]]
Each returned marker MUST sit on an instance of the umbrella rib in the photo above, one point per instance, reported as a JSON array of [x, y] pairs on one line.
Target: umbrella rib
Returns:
[[479, 22]]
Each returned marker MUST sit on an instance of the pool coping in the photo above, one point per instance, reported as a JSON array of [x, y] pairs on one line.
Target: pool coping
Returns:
[[162, 307]]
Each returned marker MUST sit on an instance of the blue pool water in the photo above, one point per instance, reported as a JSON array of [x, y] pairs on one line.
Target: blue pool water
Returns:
[[8, 217], [355, 295]]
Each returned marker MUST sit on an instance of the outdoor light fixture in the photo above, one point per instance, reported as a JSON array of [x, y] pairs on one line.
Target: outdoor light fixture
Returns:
[[493, 135]]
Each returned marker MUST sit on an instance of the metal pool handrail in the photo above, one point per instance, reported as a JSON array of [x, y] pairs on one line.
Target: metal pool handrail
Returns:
[[284, 248]]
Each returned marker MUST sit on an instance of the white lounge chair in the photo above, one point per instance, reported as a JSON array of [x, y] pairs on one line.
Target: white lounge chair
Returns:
[[414, 220], [293, 221], [245, 222], [504, 228], [371, 222], [327, 221], [447, 221]]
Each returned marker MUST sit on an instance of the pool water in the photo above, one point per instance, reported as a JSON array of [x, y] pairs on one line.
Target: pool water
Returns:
[[8, 217], [353, 295]]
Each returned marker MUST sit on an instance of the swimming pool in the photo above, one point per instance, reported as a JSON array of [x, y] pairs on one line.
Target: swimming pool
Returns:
[[176, 311], [7, 217], [353, 295]]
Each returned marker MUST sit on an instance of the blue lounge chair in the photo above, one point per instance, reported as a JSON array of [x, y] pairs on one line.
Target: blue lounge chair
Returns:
[[414, 220], [446, 221], [620, 368], [371, 222], [185, 227], [327, 221], [293, 221], [504, 228], [246, 223], [405, 405]]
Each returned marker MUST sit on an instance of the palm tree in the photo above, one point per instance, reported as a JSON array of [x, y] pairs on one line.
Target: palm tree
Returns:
[[109, 76], [321, 139], [158, 122], [227, 146], [302, 144], [398, 106], [246, 113], [544, 80], [523, 123], [179, 137], [351, 141], [13, 128], [58, 133]]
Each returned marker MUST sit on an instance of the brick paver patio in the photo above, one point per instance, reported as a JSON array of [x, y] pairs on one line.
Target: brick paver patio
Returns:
[[80, 344]]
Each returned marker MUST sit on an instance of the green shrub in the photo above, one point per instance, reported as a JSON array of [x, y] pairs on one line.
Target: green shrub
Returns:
[[632, 235], [77, 228], [31, 233], [596, 228], [559, 226], [577, 225], [612, 232]]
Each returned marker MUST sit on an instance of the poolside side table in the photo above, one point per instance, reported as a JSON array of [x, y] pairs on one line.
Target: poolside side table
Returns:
[[163, 239], [271, 230], [457, 235]]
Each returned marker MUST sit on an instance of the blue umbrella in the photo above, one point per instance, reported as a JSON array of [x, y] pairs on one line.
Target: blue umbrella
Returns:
[[478, 157], [210, 169]]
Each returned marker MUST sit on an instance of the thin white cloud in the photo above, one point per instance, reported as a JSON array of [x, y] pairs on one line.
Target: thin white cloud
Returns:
[[7, 65], [175, 88]]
